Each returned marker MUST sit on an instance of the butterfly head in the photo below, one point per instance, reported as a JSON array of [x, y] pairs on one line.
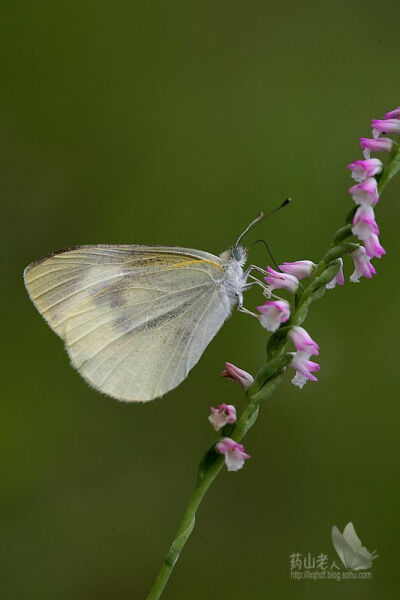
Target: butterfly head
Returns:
[[234, 257], [239, 254]]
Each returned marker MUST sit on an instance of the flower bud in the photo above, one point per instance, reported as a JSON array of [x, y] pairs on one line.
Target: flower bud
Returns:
[[393, 114], [242, 377], [375, 145], [300, 268], [385, 126], [283, 281]]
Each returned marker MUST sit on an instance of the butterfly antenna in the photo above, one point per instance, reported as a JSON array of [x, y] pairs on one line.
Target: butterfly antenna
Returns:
[[268, 250], [259, 218]]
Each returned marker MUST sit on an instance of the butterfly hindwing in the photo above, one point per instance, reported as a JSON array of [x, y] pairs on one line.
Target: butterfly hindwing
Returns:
[[134, 319]]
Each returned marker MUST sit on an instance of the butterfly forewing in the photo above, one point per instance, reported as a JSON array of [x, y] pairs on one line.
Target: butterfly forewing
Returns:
[[134, 319]]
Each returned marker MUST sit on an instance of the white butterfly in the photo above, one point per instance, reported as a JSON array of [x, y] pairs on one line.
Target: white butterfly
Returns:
[[136, 319], [353, 555]]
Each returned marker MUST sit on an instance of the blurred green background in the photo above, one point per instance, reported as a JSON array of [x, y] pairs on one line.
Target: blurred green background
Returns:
[[175, 123]]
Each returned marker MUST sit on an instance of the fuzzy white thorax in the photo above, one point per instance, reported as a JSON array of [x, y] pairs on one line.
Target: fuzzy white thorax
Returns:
[[233, 261]]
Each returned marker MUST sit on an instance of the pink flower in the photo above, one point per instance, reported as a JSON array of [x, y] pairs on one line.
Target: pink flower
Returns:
[[386, 126], [303, 341], [273, 313], [362, 265], [366, 229], [300, 268], [221, 416], [283, 281], [364, 222], [242, 377], [362, 169], [375, 145], [304, 368], [393, 114], [338, 279], [373, 246], [365, 192], [233, 452]]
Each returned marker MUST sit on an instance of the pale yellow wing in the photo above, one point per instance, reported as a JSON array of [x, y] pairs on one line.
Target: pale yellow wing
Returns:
[[135, 319]]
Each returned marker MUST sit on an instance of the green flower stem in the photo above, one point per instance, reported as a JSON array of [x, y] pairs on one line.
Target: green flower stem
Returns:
[[205, 479], [185, 528], [267, 379]]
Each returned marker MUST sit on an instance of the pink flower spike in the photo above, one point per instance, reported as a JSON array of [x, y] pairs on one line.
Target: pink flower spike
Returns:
[[304, 368], [375, 145], [282, 281], [221, 416], [362, 169], [393, 114], [300, 268], [338, 279], [303, 341], [362, 265], [233, 452], [386, 126], [273, 313], [365, 192], [364, 222], [373, 247], [233, 372]]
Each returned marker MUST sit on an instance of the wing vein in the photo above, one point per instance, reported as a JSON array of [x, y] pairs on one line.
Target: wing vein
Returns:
[[121, 334], [130, 340], [82, 289], [115, 309], [176, 347], [51, 271]]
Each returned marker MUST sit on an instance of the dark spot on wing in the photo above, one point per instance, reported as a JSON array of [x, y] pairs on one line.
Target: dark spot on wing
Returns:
[[106, 295]]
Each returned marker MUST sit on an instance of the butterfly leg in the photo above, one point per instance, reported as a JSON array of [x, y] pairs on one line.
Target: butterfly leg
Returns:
[[246, 286], [253, 268], [256, 281], [242, 309]]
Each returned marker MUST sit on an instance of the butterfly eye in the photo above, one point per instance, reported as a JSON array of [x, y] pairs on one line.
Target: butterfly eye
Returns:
[[237, 252]]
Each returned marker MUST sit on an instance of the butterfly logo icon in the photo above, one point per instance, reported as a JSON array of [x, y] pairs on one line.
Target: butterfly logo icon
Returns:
[[351, 552]]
